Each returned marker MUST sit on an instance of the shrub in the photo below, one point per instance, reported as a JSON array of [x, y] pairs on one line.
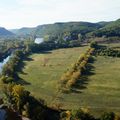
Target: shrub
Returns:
[[93, 44], [76, 115], [108, 116], [6, 79]]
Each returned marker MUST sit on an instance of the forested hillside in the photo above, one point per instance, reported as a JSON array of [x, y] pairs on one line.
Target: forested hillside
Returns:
[[71, 30], [111, 29], [60, 31], [23, 31], [4, 32]]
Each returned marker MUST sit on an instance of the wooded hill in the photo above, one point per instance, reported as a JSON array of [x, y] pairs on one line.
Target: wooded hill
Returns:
[[58, 30], [5, 32], [110, 29], [68, 30]]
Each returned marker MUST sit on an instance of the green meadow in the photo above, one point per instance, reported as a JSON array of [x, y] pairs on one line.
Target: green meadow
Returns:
[[99, 92], [43, 71]]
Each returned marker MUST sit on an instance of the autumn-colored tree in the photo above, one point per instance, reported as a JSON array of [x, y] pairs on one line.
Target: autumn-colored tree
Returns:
[[26, 110], [70, 78], [20, 96]]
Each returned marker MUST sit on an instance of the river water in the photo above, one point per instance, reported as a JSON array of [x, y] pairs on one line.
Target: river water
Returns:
[[39, 40], [2, 63]]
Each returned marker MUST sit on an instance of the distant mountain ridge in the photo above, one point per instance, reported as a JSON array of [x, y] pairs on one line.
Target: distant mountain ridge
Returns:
[[57, 28], [23, 31], [70, 29], [5, 32]]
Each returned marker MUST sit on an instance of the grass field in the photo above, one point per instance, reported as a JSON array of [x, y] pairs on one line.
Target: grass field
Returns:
[[101, 91], [44, 70]]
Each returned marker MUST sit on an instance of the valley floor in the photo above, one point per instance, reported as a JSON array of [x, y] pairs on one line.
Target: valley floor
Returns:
[[99, 92]]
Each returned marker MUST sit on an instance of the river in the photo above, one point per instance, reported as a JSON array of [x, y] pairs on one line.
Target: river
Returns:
[[39, 40], [2, 63]]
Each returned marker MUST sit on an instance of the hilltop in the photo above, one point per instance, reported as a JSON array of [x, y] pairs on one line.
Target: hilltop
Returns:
[[5, 32]]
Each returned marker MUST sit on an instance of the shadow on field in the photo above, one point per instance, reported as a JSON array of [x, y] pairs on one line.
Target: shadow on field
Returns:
[[22, 65], [28, 59], [22, 82], [84, 80], [20, 70], [80, 84], [44, 52]]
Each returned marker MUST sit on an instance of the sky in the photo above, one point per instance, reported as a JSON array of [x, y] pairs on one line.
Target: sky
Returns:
[[30, 13]]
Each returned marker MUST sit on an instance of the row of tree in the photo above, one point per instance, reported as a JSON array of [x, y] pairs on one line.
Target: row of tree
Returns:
[[10, 69], [69, 78], [84, 115], [51, 45], [104, 50], [8, 46], [108, 52]]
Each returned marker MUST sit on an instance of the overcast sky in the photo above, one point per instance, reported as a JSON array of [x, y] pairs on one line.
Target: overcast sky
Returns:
[[29, 13]]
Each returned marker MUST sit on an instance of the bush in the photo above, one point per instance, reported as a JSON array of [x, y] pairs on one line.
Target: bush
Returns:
[[108, 116], [93, 44], [76, 115], [6, 79], [105, 51]]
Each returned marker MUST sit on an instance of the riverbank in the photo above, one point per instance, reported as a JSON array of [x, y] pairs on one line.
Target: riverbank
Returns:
[[2, 63], [4, 55]]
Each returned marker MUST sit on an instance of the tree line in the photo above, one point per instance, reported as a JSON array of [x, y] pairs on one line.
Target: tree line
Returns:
[[69, 78], [85, 115], [11, 68], [20, 103], [104, 50], [8, 46]]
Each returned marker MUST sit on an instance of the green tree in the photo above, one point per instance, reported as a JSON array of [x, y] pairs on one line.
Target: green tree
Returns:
[[108, 116]]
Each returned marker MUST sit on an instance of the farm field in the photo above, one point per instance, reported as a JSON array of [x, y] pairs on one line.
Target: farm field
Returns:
[[100, 92], [44, 70], [102, 89]]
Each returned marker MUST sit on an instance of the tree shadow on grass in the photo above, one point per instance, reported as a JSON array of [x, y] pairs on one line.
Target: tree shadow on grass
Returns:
[[44, 52], [22, 65], [84, 79], [21, 81], [28, 59], [19, 70], [80, 85]]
